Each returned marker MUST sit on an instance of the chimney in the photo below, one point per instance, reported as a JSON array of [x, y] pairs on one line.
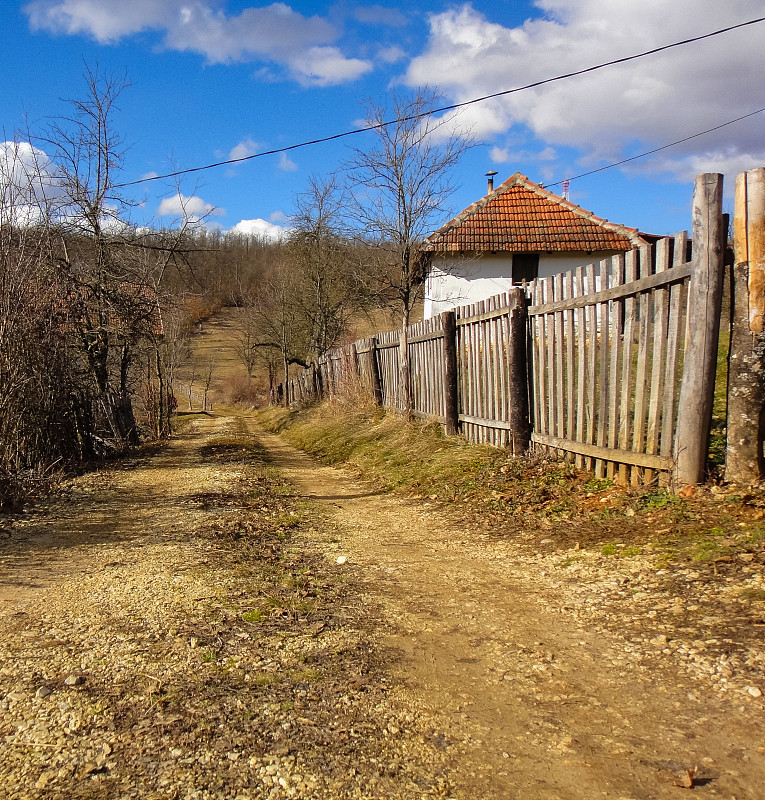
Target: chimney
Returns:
[[490, 175]]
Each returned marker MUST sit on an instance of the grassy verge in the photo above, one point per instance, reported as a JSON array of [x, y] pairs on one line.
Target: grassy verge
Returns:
[[545, 504]]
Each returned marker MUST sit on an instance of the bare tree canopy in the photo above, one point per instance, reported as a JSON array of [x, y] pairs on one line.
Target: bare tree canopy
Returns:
[[399, 190]]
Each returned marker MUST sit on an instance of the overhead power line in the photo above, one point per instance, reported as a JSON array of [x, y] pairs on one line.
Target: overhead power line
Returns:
[[455, 106], [657, 149]]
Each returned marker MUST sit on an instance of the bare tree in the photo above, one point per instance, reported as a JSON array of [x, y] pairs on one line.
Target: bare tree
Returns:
[[399, 188], [278, 320], [326, 286]]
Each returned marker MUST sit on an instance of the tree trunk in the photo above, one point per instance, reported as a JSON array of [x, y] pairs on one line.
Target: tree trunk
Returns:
[[286, 378], [744, 462]]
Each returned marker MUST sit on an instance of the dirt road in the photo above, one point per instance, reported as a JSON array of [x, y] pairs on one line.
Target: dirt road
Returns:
[[180, 627], [535, 701]]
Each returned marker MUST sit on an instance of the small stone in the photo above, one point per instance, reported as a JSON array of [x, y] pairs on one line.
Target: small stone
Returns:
[[45, 779], [754, 691], [74, 680], [44, 691], [341, 560]]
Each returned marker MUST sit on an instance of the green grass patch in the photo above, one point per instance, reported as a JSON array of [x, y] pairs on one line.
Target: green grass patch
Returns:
[[754, 594]]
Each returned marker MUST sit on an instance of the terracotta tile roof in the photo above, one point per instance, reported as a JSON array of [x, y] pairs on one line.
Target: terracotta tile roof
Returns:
[[521, 216]]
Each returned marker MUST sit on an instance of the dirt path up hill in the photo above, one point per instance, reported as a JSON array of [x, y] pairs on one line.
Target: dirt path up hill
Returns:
[[190, 625]]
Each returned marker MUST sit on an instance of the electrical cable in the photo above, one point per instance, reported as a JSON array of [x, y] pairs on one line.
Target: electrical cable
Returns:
[[453, 107], [656, 149]]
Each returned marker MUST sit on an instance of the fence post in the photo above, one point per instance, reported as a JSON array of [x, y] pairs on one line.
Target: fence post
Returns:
[[452, 413], [518, 374], [375, 372], [744, 461], [704, 304]]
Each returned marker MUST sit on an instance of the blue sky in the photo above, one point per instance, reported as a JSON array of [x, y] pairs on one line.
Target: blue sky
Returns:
[[213, 79]]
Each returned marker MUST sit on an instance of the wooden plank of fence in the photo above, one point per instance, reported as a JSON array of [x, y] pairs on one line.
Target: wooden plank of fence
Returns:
[[603, 371], [593, 452], [558, 346], [659, 353], [485, 370], [541, 372], [549, 343], [630, 289], [630, 275], [499, 363], [592, 361], [569, 325], [644, 324], [617, 349], [674, 322], [504, 356], [581, 362]]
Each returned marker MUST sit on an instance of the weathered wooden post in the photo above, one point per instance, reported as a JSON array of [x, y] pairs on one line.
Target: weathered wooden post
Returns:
[[744, 461], [704, 303], [374, 367], [518, 390], [451, 397]]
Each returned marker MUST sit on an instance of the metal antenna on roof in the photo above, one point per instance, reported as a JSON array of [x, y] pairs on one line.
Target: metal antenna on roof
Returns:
[[490, 175], [566, 185]]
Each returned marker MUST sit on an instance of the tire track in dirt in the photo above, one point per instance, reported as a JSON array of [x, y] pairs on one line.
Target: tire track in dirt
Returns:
[[531, 702]]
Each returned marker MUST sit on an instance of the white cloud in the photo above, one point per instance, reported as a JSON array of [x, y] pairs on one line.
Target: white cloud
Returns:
[[28, 188], [499, 155], [273, 33], [193, 208], [326, 66], [278, 216], [247, 147], [285, 164], [391, 55], [261, 228], [644, 103], [503, 155], [104, 20]]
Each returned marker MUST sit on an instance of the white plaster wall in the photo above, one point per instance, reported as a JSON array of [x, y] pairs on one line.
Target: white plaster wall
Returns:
[[454, 281]]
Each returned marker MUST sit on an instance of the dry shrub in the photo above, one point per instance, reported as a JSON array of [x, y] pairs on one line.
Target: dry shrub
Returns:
[[240, 391], [352, 397], [200, 309]]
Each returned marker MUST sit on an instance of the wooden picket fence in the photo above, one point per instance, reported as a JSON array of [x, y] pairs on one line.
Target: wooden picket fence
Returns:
[[591, 365], [608, 364]]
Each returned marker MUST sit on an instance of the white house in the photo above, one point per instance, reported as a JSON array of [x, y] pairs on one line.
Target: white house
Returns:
[[519, 231]]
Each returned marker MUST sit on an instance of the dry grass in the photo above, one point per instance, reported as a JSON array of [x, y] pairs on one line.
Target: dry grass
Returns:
[[713, 528]]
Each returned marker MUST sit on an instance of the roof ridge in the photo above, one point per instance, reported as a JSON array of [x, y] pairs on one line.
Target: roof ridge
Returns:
[[519, 179]]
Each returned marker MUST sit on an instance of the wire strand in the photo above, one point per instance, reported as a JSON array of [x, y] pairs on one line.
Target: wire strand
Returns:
[[657, 149], [454, 106]]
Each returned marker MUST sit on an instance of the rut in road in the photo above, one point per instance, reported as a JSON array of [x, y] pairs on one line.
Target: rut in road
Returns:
[[533, 702]]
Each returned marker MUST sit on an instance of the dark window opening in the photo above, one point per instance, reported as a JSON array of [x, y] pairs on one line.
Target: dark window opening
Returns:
[[525, 267]]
